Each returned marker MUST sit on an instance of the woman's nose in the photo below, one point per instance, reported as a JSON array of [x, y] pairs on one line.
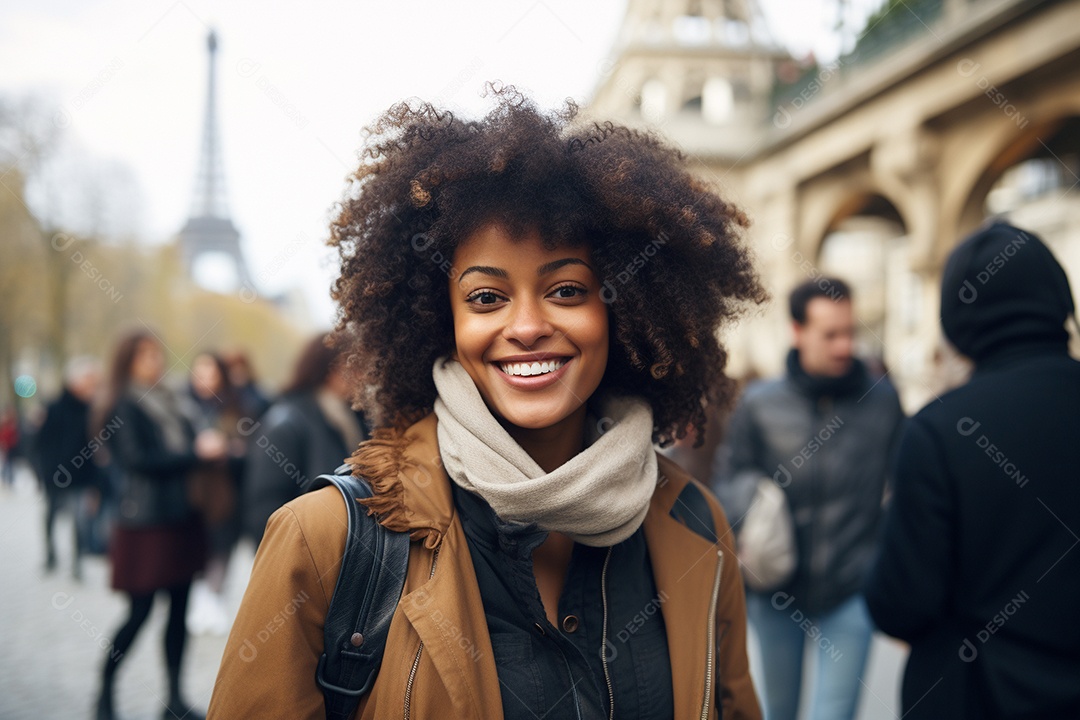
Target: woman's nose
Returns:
[[527, 323]]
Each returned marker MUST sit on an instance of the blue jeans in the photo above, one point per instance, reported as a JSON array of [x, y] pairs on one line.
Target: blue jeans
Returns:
[[840, 643]]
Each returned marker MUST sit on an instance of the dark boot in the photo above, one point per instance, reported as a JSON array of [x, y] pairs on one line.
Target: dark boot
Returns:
[[140, 609], [181, 711], [105, 702], [177, 708]]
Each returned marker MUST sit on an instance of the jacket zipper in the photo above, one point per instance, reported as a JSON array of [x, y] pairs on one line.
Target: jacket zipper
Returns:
[[603, 645], [416, 660], [816, 492], [710, 633]]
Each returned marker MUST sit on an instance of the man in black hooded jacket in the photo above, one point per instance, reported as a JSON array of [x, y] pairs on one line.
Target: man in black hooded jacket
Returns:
[[979, 569]]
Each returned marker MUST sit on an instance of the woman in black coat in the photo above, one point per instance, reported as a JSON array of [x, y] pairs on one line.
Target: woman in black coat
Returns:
[[310, 430], [158, 542]]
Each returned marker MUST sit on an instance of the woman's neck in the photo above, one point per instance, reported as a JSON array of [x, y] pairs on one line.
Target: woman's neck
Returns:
[[552, 446]]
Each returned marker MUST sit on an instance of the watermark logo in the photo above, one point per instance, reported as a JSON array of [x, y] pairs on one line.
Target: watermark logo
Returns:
[[249, 650], [63, 117], [782, 117], [782, 476], [422, 244], [62, 478], [459, 81], [781, 242], [968, 650], [782, 601], [61, 601], [968, 293], [968, 68], [248, 68], [608, 291], [62, 241], [968, 426]]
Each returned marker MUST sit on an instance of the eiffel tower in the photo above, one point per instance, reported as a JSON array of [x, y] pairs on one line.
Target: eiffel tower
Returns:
[[209, 229]]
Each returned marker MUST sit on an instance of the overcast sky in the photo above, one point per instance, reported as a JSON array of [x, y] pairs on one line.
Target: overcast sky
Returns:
[[295, 86]]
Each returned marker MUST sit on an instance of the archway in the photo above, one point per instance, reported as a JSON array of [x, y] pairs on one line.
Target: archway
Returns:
[[867, 245], [1040, 191]]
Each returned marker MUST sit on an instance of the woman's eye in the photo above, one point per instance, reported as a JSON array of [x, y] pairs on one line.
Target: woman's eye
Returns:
[[484, 297], [568, 292]]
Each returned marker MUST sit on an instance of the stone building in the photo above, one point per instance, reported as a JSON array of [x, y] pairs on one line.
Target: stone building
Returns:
[[872, 167]]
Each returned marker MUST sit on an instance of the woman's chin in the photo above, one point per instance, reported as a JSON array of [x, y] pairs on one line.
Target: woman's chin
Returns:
[[534, 418]]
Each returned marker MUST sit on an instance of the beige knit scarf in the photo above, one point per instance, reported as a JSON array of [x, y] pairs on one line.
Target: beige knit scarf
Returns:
[[599, 497]]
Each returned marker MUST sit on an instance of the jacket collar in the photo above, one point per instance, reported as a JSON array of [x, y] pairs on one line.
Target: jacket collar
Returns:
[[851, 382], [411, 489]]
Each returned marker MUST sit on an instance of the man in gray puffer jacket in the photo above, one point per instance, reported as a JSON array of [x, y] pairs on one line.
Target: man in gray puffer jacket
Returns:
[[825, 432]]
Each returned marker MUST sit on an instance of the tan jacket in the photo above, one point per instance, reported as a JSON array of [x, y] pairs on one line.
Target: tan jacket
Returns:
[[438, 661]]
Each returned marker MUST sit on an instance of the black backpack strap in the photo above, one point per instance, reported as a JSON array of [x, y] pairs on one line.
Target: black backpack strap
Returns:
[[692, 510], [368, 588]]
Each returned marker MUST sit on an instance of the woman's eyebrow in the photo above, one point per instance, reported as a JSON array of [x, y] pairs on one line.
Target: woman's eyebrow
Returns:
[[556, 264], [544, 269], [486, 270]]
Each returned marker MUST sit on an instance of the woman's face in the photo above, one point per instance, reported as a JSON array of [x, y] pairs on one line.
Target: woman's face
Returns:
[[148, 364], [529, 325], [206, 376]]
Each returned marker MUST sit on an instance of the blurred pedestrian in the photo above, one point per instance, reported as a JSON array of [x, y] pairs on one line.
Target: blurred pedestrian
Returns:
[[532, 304], [251, 398], [67, 460], [158, 542], [979, 570], [215, 487], [825, 433], [311, 429], [9, 443]]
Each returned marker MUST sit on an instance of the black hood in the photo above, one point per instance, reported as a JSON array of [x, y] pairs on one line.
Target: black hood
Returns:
[[1003, 287]]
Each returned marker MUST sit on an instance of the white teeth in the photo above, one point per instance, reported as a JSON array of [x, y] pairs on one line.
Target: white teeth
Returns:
[[525, 369]]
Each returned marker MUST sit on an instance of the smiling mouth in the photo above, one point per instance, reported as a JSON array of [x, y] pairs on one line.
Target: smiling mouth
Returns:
[[528, 369]]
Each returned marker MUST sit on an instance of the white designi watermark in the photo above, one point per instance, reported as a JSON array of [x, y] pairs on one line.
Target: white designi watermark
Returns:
[[968, 650], [968, 426]]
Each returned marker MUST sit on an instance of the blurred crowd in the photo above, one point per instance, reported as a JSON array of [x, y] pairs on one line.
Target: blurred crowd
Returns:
[[165, 480]]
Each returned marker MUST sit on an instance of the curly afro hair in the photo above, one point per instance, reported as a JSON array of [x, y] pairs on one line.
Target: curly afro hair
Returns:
[[670, 252]]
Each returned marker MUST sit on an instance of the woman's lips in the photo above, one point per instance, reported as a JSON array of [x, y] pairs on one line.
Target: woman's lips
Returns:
[[526, 368], [533, 382]]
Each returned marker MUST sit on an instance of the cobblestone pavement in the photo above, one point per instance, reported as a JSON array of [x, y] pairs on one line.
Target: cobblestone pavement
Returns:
[[55, 631]]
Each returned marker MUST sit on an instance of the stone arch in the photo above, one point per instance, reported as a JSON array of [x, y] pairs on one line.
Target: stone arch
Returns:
[[862, 226], [866, 243], [1004, 143], [845, 203], [1021, 146]]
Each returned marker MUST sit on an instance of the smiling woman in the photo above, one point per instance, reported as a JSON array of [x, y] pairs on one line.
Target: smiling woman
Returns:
[[528, 305], [531, 331], [615, 191]]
